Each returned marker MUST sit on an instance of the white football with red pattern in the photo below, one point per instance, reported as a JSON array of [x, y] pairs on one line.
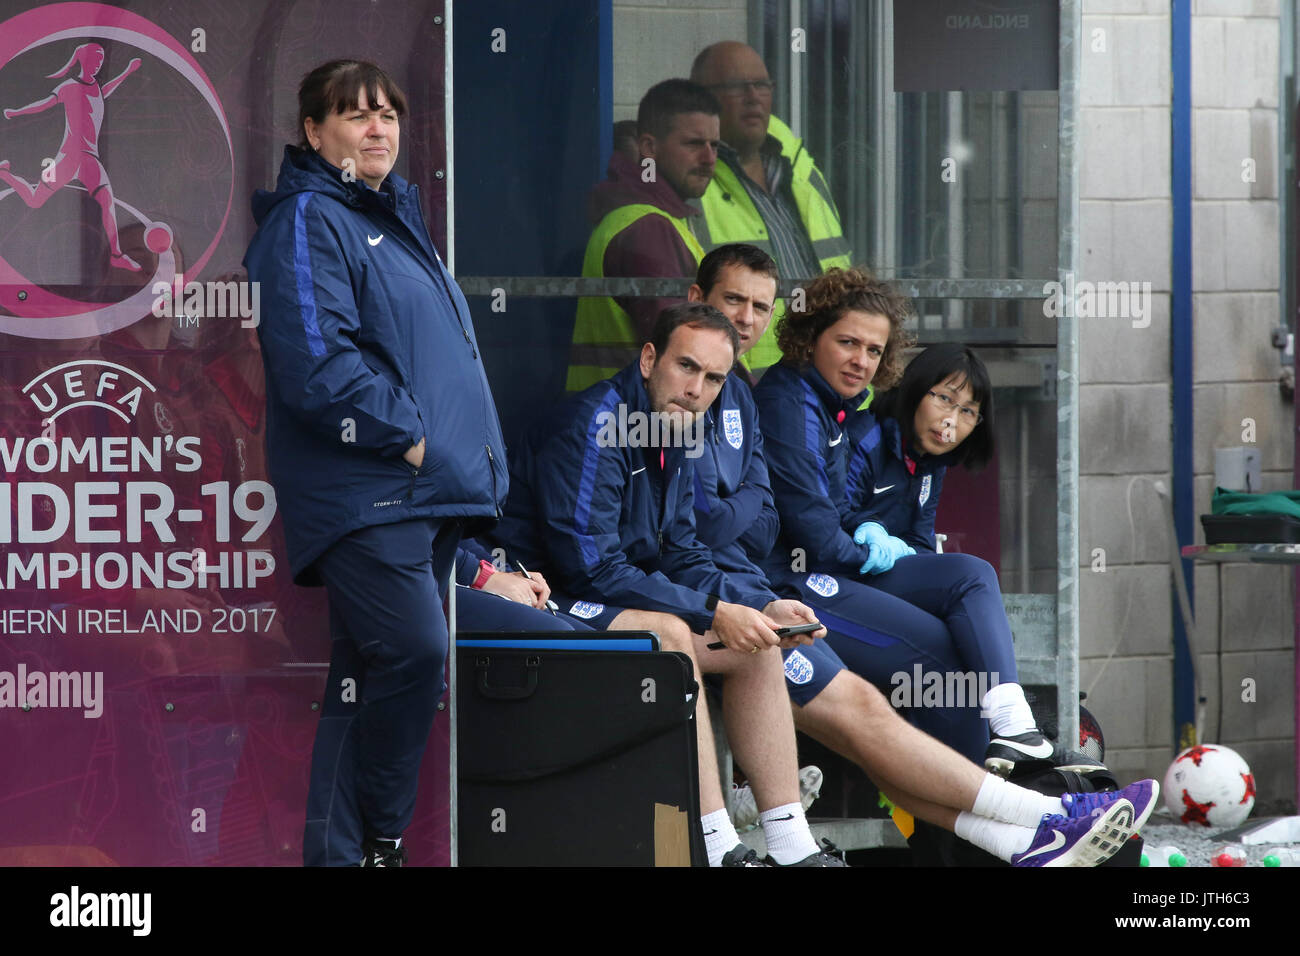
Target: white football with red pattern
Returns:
[[1209, 786]]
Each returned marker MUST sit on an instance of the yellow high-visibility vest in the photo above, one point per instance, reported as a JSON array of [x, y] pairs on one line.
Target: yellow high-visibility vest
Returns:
[[730, 216], [604, 341]]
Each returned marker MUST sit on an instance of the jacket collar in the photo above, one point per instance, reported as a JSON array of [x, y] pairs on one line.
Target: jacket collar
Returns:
[[630, 386], [893, 437], [304, 170], [624, 186], [839, 407], [738, 377]]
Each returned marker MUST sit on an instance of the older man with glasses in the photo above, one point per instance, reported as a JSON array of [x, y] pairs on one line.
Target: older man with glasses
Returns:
[[766, 189]]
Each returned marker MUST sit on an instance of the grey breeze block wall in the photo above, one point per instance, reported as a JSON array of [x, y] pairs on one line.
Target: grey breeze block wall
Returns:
[[1126, 659]]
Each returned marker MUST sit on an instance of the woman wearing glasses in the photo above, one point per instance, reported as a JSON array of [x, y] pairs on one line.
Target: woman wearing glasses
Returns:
[[940, 416], [857, 504]]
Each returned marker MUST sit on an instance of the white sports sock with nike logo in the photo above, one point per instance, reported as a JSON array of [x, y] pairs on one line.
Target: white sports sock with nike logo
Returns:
[[1003, 840], [786, 831], [719, 835]]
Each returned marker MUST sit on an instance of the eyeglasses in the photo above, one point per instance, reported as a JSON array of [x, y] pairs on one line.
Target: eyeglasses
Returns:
[[968, 415], [740, 87]]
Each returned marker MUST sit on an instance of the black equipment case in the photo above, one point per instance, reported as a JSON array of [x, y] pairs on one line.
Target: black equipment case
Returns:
[[575, 758]]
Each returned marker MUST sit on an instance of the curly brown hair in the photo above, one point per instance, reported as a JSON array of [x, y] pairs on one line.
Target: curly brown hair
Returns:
[[827, 298]]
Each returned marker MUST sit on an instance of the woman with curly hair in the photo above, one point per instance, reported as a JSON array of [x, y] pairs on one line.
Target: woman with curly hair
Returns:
[[849, 337]]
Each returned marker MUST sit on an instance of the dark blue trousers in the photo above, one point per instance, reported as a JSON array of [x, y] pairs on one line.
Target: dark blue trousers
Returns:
[[389, 633], [963, 592], [931, 610]]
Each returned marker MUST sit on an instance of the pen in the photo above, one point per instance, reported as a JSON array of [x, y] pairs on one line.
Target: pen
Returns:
[[550, 605]]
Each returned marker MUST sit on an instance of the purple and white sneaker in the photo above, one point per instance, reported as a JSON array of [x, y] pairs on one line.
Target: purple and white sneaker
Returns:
[[1081, 841], [1143, 795]]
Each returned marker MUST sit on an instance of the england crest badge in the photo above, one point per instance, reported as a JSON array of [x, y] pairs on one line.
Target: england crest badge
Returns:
[[798, 669], [823, 584], [925, 491], [586, 609], [732, 429]]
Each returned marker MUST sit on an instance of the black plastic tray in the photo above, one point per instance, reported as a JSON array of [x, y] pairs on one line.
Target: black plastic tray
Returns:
[[1251, 529]]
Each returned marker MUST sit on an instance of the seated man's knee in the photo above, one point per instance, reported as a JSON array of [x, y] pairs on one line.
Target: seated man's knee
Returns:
[[674, 633], [852, 694]]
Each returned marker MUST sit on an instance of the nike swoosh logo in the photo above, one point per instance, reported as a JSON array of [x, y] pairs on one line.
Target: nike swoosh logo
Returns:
[[839, 439], [1043, 750], [638, 471], [709, 833], [788, 816], [877, 491], [1058, 841], [374, 240]]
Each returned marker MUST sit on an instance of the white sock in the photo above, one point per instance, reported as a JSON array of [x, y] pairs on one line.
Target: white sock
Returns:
[[786, 830], [1008, 711], [1000, 800], [719, 835], [1003, 840]]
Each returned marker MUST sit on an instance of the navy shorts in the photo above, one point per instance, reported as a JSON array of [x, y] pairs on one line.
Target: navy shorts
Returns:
[[591, 614], [808, 669]]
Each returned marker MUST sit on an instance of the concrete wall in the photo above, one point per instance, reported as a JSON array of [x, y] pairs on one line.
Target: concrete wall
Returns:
[[1126, 611]]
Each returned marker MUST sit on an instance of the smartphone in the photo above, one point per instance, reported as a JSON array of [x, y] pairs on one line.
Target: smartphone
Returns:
[[798, 629], [794, 631]]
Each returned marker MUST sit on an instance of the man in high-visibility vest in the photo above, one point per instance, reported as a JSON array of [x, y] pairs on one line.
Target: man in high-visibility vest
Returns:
[[766, 189], [644, 227]]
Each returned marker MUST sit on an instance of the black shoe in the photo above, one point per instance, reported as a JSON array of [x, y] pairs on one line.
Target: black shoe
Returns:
[[1004, 754], [381, 852], [1076, 761], [741, 855], [823, 857]]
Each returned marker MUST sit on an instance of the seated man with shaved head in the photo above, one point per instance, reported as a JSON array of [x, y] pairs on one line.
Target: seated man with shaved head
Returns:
[[766, 189]]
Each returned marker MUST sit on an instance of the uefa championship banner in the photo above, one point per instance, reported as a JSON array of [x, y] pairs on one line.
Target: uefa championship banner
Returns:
[[160, 674]]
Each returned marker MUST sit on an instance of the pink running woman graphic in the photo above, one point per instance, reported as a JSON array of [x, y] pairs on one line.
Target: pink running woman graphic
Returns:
[[82, 98]]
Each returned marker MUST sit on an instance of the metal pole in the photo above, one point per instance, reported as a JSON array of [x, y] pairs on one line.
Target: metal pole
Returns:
[[1067, 391]]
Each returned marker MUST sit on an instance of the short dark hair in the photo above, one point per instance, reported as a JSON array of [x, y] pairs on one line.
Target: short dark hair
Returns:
[[734, 254], [625, 135], [697, 315], [828, 297], [664, 101], [335, 87], [937, 364]]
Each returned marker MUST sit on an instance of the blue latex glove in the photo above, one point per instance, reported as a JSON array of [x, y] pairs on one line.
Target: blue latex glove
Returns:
[[884, 548]]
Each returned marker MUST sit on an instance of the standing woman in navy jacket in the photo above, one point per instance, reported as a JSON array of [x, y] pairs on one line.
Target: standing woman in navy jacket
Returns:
[[383, 440]]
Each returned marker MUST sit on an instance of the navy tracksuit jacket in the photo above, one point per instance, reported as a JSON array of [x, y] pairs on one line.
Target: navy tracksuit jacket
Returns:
[[880, 631], [608, 522], [882, 488], [368, 347]]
